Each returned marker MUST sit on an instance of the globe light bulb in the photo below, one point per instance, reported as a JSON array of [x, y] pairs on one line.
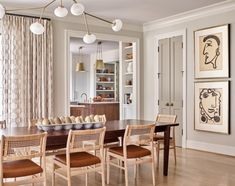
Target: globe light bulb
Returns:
[[89, 38], [117, 25], [2, 11], [77, 9], [37, 28], [61, 11]]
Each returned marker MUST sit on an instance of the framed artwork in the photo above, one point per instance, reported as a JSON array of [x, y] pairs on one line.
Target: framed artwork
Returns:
[[212, 106], [212, 52]]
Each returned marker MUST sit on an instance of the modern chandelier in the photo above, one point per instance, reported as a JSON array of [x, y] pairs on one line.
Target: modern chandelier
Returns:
[[77, 9]]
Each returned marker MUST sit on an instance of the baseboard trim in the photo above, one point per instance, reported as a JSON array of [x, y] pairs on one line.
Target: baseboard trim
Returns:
[[209, 147]]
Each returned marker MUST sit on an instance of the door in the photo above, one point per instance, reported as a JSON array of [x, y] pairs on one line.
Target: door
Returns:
[[170, 75]]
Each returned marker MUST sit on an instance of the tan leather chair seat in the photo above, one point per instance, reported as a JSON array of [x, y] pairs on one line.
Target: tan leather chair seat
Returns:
[[133, 151], [20, 168], [79, 159]]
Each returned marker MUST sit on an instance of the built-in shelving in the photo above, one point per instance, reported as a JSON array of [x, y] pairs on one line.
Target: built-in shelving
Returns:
[[128, 98], [106, 83]]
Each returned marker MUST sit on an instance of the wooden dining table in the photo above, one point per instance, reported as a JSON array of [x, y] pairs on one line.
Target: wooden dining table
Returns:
[[114, 129]]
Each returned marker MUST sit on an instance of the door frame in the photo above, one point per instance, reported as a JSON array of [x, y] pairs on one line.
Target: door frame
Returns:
[[99, 36], [182, 33]]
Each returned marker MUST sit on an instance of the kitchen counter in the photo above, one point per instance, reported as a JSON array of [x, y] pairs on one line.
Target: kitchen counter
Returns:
[[110, 109]]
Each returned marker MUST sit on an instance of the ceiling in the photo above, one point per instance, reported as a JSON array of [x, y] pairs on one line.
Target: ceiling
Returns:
[[88, 49], [131, 11]]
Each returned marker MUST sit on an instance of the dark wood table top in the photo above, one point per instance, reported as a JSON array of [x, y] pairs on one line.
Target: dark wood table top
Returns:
[[111, 126]]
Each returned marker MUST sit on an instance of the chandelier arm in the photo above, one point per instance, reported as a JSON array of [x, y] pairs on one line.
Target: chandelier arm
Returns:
[[96, 17], [86, 24]]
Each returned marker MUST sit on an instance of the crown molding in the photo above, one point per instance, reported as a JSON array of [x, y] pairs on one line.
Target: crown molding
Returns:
[[214, 9]]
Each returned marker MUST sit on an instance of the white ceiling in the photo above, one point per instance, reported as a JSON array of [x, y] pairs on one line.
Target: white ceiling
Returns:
[[131, 11], [88, 49]]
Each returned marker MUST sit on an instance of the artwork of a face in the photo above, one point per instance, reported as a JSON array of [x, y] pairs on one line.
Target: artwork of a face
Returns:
[[211, 50], [210, 106]]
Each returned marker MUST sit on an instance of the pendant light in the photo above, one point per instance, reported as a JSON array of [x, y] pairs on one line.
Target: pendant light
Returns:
[[61, 11], [80, 64], [99, 58]]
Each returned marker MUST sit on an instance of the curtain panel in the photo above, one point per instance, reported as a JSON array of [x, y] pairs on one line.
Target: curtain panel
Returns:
[[27, 71]]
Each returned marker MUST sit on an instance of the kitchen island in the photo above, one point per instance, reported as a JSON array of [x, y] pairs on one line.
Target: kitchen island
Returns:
[[110, 109]]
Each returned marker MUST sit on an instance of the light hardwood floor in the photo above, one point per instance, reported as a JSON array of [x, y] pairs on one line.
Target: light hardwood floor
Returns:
[[194, 168]]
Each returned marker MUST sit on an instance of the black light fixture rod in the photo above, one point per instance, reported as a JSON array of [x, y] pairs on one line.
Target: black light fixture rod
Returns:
[[98, 18]]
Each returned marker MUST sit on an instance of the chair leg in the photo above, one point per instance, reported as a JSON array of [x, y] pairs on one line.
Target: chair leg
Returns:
[[153, 169], [53, 174], [86, 178], [126, 172], [158, 153], [108, 167], [135, 170], [69, 177], [103, 172], [175, 154]]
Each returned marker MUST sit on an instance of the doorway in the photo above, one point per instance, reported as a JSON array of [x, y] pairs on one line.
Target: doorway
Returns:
[[170, 84]]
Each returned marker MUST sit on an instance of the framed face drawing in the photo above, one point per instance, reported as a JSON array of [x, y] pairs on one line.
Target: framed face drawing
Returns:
[[212, 52], [212, 106]]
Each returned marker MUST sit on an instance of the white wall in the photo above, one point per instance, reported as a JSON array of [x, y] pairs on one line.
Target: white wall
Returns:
[[196, 139], [60, 62]]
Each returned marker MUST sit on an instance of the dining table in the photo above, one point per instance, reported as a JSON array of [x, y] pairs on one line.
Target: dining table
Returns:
[[114, 129]]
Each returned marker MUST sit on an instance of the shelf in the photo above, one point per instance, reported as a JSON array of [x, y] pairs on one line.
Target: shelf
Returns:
[[105, 82], [128, 47], [128, 60], [129, 73], [105, 90], [105, 74], [129, 86]]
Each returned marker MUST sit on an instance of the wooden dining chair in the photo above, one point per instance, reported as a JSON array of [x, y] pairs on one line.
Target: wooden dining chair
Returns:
[[17, 159], [3, 124], [135, 135], [78, 158], [159, 139]]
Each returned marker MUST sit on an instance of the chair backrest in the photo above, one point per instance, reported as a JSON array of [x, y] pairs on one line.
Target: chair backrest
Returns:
[[23, 147], [76, 139], [138, 135], [3, 124], [164, 118]]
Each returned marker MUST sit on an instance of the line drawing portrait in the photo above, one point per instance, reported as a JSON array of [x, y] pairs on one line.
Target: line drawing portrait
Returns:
[[210, 105], [211, 50]]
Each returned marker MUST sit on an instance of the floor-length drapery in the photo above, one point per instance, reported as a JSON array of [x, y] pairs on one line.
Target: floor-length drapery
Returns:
[[27, 70]]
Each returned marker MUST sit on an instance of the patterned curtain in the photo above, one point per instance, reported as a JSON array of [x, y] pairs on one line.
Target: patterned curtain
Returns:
[[27, 71]]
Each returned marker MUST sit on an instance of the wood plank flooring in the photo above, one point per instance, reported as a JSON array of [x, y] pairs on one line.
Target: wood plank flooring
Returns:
[[194, 168]]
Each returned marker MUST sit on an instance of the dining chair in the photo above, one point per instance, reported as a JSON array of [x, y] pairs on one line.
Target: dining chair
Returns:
[[78, 158], [135, 135], [17, 159], [3, 124], [159, 139], [111, 142]]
